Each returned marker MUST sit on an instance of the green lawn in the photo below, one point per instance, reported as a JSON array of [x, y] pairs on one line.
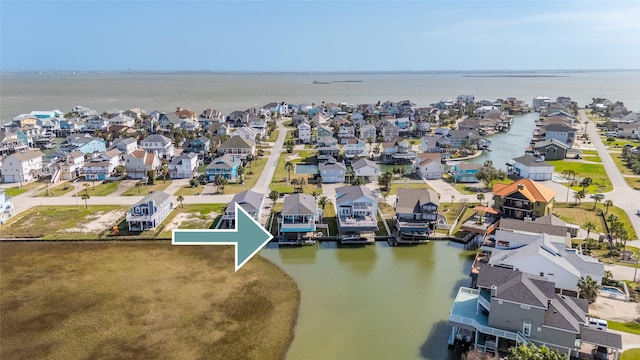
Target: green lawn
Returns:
[[192, 216], [251, 176], [591, 155], [633, 182], [621, 164], [98, 189], [631, 354], [632, 327], [188, 190], [141, 300], [143, 190], [17, 190], [273, 136], [596, 172], [618, 143], [279, 180], [582, 213], [57, 190], [62, 222], [329, 218], [406, 185]]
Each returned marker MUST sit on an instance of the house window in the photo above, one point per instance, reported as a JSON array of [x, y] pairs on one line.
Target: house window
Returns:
[[526, 328]]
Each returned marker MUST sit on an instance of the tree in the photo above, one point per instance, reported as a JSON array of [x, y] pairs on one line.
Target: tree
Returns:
[[164, 170], [588, 288], [596, 200], [585, 183], [274, 195], [488, 173], [607, 203], [480, 197], [139, 186], [250, 159], [288, 166], [323, 201], [532, 352], [120, 169], [85, 196], [589, 226], [151, 175], [385, 179], [180, 198]]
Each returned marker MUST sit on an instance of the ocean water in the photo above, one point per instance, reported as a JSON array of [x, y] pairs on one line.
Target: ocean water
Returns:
[[24, 92]]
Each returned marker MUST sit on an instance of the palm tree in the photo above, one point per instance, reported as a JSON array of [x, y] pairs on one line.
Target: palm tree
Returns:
[[585, 183], [480, 197], [274, 195], [323, 201], [250, 158], [608, 203], [531, 351], [86, 195], [596, 200], [385, 179], [588, 288], [577, 198], [288, 166], [180, 198], [589, 226]]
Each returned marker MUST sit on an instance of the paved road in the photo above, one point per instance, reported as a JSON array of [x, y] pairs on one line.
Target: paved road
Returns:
[[623, 196]]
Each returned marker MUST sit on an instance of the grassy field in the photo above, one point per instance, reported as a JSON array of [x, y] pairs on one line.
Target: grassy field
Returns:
[[17, 190], [279, 180], [141, 301], [190, 190], [144, 190], [57, 190], [582, 213], [596, 172], [591, 155], [631, 354], [61, 222], [97, 189], [620, 163], [406, 185], [628, 327], [633, 182], [251, 175], [273, 136], [191, 216]]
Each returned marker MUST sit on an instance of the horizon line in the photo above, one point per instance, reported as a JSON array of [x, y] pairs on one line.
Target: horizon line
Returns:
[[307, 72]]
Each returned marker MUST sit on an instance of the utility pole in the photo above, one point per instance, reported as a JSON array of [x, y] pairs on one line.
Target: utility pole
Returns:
[[636, 270]]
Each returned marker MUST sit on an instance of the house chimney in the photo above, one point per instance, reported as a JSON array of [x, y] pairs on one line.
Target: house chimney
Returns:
[[178, 109]]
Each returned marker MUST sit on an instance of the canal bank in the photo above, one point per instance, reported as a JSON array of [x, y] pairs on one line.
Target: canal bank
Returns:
[[374, 302]]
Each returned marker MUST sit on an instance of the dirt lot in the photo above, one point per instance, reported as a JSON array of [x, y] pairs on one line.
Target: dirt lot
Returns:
[[612, 309], [97, 222]]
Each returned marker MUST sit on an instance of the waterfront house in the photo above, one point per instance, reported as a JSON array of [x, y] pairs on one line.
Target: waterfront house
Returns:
[[531, 167], [429, 165], [367, 131], [122, 120], [561, 132], [250, 201], [219, 129], [388, 131], [324, 131], [366, 169], [551, 150], [96, 123], [22, 167], [434, 143], [356, 210], [543, 256], [298, 119], [540, 103], [70, 166], [149, 212], [467, 99], [304, 132], [258, 124], [354, 147], [200, 145], [226, 166], [159, 145], [327, 141], [332, 171], [416, 210], [346, 132], [298, 217], [184, 166], [83, 142], [237, 145], [464, 172], [319, 118], [398, 151], [210, 116], [11, 141], [510, 307], [189, 125], [523, 199], [139, 162], [461, 138], [102, 166], [135, 113], [327, 152], [6, 207], [238, 118], [125, 145]]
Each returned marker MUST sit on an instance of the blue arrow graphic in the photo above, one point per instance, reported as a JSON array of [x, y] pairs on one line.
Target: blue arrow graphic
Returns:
[[248, 237]]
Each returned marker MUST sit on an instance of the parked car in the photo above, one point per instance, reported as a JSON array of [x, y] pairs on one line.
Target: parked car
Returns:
[[596, 323], [601, 353]]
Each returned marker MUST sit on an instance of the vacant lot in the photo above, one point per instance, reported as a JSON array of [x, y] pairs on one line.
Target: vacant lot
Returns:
[[141, 301]]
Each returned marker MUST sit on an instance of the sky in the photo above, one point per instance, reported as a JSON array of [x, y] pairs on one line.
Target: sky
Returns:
[[319, 35]]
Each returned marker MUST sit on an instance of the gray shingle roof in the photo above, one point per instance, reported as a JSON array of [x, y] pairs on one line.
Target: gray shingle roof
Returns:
[[237, 142], [248, 200], [562, 313], [410, 200], [602, 338], [299, 204], [531, 161], [350, 193], [363, 163], [555, 142], [532, 227], [157, 197], [516, 286]]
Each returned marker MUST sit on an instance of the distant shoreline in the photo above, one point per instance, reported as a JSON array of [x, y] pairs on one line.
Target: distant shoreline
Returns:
[[518, 76]]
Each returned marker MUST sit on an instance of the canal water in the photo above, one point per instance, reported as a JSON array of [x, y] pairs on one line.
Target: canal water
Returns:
[[374, 302], [508, 145]]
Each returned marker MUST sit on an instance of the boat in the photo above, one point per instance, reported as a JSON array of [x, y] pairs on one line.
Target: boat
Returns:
[[321, 82], [415, 234]]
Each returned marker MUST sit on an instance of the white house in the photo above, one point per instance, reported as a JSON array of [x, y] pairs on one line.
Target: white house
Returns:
[[122, 120], [429, 165], [560, 132], [184, 166], [366, 168], [304, 132], [245, 132], [332, 171], [139, 162], [354, 147], [102, 166], [22, 167], [159, 145], [367, 131], [6, 207], [531, 167], [125, 145]]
